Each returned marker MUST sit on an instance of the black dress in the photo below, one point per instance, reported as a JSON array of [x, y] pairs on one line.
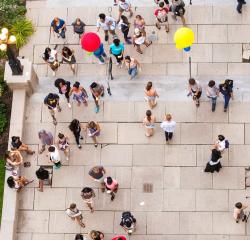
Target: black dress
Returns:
[[214, 164]]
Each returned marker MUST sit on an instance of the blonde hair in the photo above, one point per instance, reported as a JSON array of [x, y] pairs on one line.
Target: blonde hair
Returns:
[[168, 116]]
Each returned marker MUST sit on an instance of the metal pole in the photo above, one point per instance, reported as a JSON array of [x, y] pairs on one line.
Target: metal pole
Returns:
[[190, 74]]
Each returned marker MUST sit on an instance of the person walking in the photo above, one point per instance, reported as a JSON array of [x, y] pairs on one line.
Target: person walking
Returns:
[[18, 182], [79, 94], [50, 57], [97, 173], [69, 57], [93, 131], [214, 163], [239, 5], [54, 156], [111, 186], [63, 145], [124, 25], [108, 24], [161, 15], [128, 222], [149, 123], [17, 144], [239, 213], [195, 90], [226, 89], [96, 235], [43, 175], [78, 27], [124, 6], [165, 1], [88, 196], [63, 88], [97, 91], [75, 127], [117, 49], [168, 125], [75, 214], [140, 39], [132, 65], [100, 54], [222, 143], [52, 102], [58, 26], [46, 138], [178, 10], [151, 95], [212, 92], [139, 23]]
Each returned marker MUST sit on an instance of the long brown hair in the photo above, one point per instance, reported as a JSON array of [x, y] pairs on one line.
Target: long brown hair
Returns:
[[149, 86], [148, 114]]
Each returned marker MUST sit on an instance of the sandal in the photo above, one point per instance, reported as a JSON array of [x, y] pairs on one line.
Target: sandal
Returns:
[[139, 51], [149, 44], [158, 26], [42, 150], [26, 164]]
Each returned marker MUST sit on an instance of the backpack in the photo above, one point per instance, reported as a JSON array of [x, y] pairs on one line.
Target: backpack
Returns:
[[127, 219], [230, 83], [226, 144]]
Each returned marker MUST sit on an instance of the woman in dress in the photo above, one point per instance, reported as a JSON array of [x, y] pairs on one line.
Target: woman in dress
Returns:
[[93, 131], [79, 94], [139, 39], [69, 57], [63, 88], [149, 123], [63, 145], [151, 95], [214, 163]]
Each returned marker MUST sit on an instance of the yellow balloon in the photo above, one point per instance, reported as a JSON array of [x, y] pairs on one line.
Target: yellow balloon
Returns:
[[183, 37]]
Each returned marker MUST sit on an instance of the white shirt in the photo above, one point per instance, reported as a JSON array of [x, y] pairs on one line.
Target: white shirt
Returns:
[[212, 91], [221, 145], [104, 25], [196, 87], [125, 5], [52, 56], [55, 156], [73, 213], [168, 126]]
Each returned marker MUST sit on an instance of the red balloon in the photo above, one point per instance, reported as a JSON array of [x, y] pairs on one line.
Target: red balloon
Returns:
[[90, 41]]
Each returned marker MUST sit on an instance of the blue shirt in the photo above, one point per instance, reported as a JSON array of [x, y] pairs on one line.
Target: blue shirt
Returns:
[[59, 26], [99, 51], [116, 50]]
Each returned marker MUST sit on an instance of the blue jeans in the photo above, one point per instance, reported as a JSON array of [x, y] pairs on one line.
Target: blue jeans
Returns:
[[101, 57], [226, 101], [213, 102], [133, 72]]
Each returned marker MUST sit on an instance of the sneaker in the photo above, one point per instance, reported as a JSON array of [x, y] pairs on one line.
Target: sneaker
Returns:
[[59, 109], [128, 41], [79, 146], [54, 74], [67, 158], [96, 145], [101, 63], [69, 105], [112, 198], [81, 137], [54, 121], [106, 38], [117, 64], [225, 110], [97, 109]]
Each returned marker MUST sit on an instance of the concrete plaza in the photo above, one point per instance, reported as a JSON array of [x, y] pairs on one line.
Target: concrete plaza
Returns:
[[185, 203]]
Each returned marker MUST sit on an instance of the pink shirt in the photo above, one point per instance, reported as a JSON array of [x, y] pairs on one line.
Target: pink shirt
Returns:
[[111, 186]]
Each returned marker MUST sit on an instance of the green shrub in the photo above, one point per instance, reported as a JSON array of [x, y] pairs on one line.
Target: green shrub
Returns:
[[3, 117], [22, 29], [3, 85]]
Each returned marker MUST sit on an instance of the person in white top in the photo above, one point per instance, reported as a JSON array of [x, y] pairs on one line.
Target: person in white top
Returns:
[[195, 90], [168, 125], [221, 144], [75, 214], [108, 24], [124, 5], [212, 92], [239, 213], [54, 156]]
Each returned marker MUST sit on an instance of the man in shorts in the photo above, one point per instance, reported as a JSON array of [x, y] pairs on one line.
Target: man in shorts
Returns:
[[88, 195], [108, 24], [178, 10], [52, 102], [124, 5], [97, 173], [161, 15]]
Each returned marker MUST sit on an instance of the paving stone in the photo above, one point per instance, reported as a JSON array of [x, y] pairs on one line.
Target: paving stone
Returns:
[[41, 70], [199, 15], [90, 16], [238, 69], [238, 155], [204, 155], [212, 237], [141, 175], [141, 219], [204, 113], [181, 69], [75, 176], [48, 237], [239, 113], [116, 155], [163, 223], [88, 69], [229, 178], [143, 201], [238, 34], [64, 128], [211, 200], [26, 199], [66, 224], [40, 36], [198, 222], [87, 155], [200, 53], [180, 155], [46, 16], [24, 236], [51, 199], [238, 196], [166, 53], [33, 221], [33, 111], [172, 177], [27, 52], [239, 237], [230, 16], [163, 237], [219, 33], [144, 155], [146, 57], [119, 111], [227, 52], [219, 218], [38, 53], [247, 133], [195, 178], [214, 69], [233, 132], [173, 200], [32, 14], [191, 133], [153, 69]]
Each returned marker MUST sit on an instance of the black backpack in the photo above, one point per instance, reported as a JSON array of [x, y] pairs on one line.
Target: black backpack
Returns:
[[128, 219]]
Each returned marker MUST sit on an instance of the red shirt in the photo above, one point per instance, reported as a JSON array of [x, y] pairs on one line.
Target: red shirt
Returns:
[[161, 12], [117, 237]]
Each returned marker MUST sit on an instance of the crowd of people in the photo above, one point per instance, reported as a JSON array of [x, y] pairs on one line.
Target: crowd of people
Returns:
[[53, 145]]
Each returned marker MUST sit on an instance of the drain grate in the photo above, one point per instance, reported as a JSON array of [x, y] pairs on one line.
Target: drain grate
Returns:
[[147, 187]]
